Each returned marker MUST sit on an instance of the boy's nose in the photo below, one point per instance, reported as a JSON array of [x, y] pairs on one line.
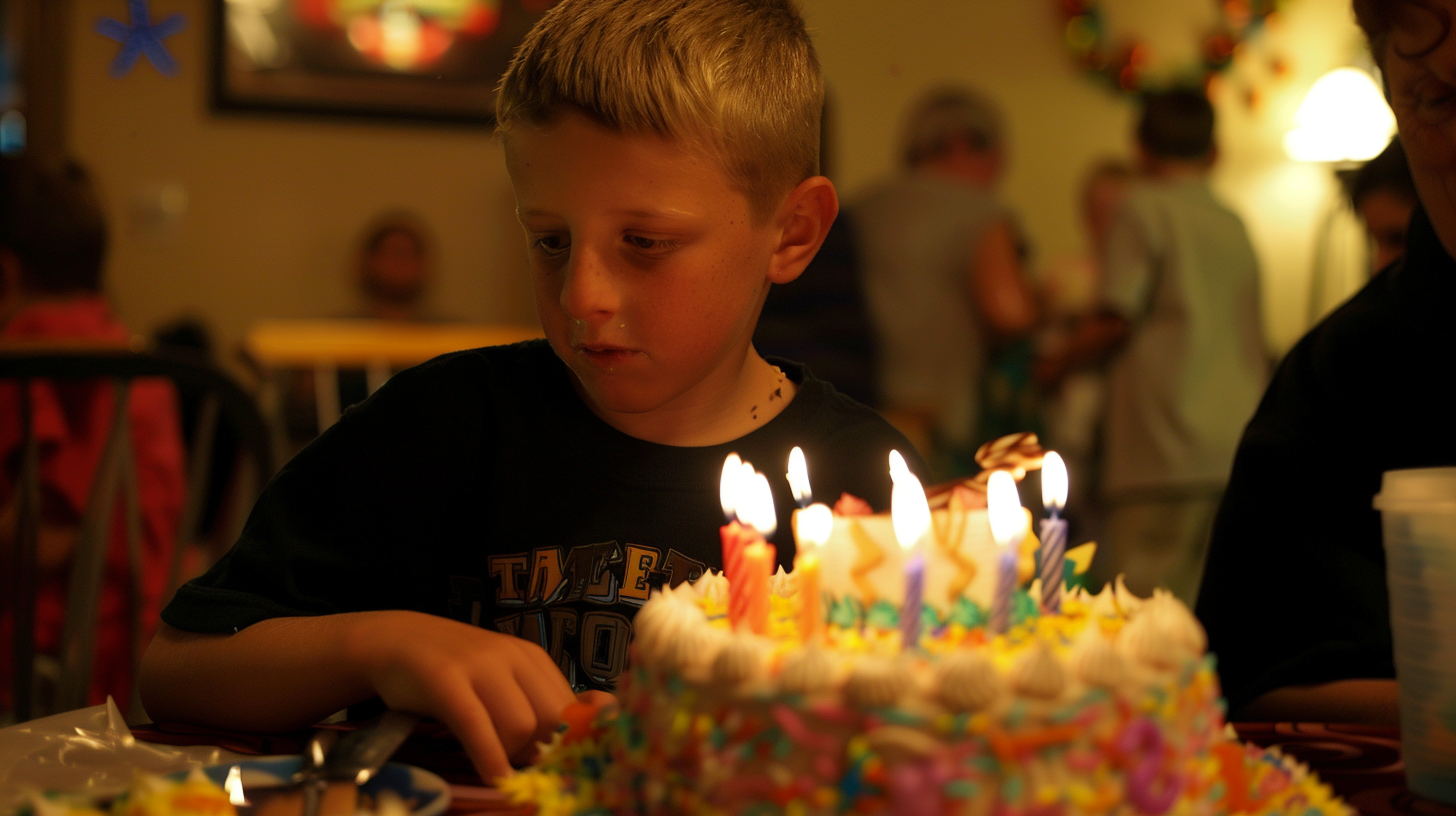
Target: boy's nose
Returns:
[[588, 292]]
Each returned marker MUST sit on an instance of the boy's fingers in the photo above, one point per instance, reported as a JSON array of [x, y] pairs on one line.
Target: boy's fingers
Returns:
[[471, 723]]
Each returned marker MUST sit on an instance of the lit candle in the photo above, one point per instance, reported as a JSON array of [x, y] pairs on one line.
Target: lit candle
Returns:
[[733, 535], [748, 584], [1008, 527], [799, 477], [1053, 531], [910, 516], [813, 525]]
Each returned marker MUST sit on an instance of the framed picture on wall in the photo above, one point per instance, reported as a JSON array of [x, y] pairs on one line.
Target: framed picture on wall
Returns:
[[390, 59]]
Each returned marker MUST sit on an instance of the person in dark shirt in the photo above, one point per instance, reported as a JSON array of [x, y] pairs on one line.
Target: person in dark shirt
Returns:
[[1294, 597], [471, 542]]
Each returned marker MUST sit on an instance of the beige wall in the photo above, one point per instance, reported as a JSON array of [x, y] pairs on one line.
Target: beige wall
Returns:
[[273, 205]]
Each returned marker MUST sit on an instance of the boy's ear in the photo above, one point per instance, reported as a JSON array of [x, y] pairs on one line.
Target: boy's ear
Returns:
[[803, 220]]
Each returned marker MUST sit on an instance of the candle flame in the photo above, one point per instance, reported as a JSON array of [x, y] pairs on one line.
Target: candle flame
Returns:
[[234, 786], [1054, 481], [1008, 520], [799, 477], [897, 465], [728, 484], [755, 505], [909, 510], [816, 524]]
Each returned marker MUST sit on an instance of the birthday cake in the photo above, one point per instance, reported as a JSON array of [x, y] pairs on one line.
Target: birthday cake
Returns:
[[997, 698]]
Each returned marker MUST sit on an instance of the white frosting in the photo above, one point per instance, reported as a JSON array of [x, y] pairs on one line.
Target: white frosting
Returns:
[[807, 671], [967, 681], [1038, 673], [739, 660], [1095, 662], [782, 584], [1164, 634], [1104, 605], [712, 586], [1127, 602], [669, 630], [876, 682]]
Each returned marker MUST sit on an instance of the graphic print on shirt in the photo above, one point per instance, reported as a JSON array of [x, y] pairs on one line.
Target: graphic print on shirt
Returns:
[[576, 602]]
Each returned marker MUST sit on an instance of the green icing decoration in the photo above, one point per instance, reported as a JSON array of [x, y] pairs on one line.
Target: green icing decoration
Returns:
[[967, 613], [845, 612], [930, 619], [882, 615], [1011, 789], [1023, 608], [961, 789]]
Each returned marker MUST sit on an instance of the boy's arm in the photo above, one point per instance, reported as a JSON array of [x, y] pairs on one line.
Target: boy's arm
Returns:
[[999, 285], [499, 694]]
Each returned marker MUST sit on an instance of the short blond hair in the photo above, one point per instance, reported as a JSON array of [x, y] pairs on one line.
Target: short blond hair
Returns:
[[738, 76]]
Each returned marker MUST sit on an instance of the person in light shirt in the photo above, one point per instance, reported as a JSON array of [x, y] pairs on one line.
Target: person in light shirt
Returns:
[[1294, 597]]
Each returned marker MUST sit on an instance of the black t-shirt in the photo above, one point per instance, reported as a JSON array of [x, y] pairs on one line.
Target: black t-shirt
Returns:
[[480, 487], [1294, 591]]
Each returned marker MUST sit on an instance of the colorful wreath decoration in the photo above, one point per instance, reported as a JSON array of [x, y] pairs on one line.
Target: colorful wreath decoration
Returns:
[[1124, 66]]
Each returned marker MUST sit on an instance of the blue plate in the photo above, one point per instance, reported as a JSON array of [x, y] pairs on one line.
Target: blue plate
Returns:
[[429, 792]]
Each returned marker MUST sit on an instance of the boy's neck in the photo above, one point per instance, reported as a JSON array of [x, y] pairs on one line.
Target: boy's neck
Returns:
[[733, 403]]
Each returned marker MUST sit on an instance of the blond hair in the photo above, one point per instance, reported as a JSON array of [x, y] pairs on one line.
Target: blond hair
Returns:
[[737, 76]]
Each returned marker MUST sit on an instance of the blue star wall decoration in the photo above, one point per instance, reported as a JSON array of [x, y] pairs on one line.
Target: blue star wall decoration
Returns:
[[141, 36]]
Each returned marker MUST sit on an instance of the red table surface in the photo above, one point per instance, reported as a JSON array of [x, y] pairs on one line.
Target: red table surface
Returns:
[[1361, 763]]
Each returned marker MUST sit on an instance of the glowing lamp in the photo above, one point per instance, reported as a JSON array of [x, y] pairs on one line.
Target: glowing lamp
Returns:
[[1344, 117]]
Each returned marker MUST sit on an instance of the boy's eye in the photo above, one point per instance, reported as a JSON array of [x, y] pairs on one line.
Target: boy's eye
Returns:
[[648, 244], [551, 244]]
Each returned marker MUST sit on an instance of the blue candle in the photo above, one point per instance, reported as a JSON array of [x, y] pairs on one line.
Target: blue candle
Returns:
[[1005, 587], [1053, 531], [911, 611], [1008, 527], [910, 516]]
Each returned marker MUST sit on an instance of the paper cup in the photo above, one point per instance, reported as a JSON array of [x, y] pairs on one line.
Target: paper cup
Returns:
[[1418, 517]]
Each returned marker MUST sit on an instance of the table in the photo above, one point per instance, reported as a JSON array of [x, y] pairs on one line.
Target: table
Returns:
[[1361, 763]]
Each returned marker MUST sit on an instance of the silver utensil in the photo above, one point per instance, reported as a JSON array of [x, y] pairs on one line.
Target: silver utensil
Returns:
[[355, 757]]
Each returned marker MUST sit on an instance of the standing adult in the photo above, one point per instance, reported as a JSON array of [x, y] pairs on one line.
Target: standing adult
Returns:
[[1294, 598], [943, 276]]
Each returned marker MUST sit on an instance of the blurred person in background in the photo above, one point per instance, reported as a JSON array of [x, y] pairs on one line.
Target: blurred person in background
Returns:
[[52, 249], [1179, 326], [944, 277], [1384, 196], [1073, 407], [395, 268], [1360, 394]]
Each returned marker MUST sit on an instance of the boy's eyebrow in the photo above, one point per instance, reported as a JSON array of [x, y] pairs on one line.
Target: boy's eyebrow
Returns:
[[637, 212]]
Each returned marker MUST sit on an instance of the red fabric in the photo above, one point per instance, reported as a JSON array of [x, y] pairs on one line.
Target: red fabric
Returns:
[[71, 421]]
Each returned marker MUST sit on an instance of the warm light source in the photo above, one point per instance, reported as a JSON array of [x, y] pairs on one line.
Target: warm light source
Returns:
[[1008, 520], [799, 477], [1054, 481], [816, 525], [1344, 117], [909, 511]]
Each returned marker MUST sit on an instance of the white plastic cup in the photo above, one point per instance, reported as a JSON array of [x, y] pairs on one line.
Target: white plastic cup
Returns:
[[1418, 517]]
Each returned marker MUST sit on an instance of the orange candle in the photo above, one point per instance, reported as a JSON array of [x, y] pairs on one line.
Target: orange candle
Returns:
[[811, 603], [812, 528], [750, 604]]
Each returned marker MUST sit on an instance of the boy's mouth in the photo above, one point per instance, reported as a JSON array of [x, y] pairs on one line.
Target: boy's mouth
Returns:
[[605, 354]]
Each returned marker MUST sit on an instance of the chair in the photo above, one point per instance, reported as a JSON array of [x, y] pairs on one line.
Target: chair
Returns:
[[224, 400], [379, 347]]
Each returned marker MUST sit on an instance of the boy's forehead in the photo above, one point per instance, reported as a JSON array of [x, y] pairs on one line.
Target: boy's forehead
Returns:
[[573, 150]]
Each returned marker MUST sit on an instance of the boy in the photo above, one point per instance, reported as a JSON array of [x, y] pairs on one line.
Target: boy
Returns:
[[52, 250], [541, 490], [1180, 324]]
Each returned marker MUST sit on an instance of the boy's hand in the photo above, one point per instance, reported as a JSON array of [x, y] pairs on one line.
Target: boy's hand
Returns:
[[499, 694]]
